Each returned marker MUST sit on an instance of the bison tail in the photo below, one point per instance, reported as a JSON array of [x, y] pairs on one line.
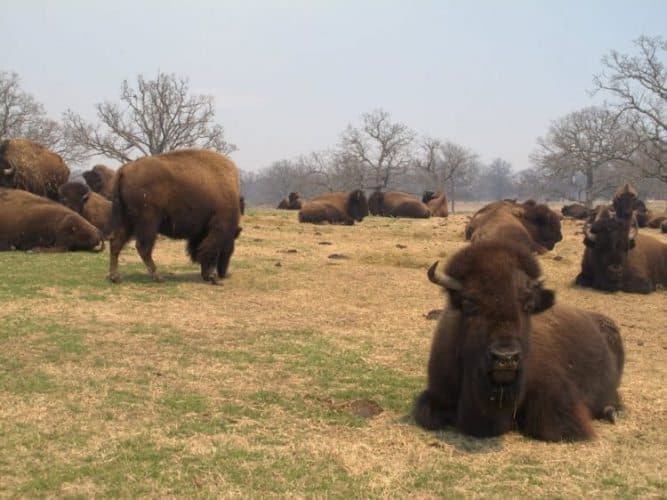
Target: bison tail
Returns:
[[118, 208]]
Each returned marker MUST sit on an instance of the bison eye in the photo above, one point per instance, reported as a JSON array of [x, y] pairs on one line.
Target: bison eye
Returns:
[[469, 306]]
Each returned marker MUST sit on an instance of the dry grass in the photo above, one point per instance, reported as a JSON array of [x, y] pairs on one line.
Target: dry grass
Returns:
[[271, 384]]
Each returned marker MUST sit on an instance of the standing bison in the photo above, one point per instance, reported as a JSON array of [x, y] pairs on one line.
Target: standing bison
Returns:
[[189, 194], [335, 208], [531, 224], [30, 166], [100, 179], [294, 201], [504, 357], [436, 203], [397, 204], [617, 257], [95, 208], [28, 221]]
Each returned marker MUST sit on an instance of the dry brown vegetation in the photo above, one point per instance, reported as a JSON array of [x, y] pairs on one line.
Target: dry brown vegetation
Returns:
[[293, 378]]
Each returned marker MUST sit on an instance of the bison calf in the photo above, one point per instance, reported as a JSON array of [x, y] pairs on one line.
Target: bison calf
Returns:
[[335, 208], [505, 357], [190, 194]]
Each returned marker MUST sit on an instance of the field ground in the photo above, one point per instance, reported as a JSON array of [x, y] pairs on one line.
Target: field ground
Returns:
[[294, 378]]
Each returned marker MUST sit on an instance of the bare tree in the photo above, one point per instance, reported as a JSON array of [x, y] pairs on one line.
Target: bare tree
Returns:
[[381, 147], [449, 165], [593, 141], [158, 116], [22, 116], [638, 85], [495, 180]]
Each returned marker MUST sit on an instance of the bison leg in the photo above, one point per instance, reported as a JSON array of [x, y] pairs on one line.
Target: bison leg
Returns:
[[118, 241], [145, 244], [555, 415], [223, 259], [209, 251], [430, 413]]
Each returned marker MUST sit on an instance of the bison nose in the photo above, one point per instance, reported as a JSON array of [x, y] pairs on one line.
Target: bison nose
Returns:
[[615, 269], [505, 358]]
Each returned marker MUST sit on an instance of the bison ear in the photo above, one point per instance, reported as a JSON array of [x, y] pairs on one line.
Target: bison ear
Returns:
[[544, 299]]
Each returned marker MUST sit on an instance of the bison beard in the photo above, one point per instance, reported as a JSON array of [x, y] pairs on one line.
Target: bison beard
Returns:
[[504, 357]]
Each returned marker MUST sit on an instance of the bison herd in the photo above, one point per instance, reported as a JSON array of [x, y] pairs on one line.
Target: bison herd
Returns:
[[504, 355]]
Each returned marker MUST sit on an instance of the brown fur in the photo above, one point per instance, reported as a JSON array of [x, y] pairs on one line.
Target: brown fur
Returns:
[[28, 221], [294, 201], [30, 166], [576, 211], [436, 203], [656, 222], [100, 179], [504, 359], [663, 227], [614, 261], [397, 204], [95, 208], [533, 225], [335, 208], [190, 194]]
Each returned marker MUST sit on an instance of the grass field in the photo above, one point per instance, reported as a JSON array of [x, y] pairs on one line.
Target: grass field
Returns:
[[294, 378]]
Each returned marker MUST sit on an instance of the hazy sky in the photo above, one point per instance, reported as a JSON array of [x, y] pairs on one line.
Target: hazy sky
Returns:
[[288, 76]]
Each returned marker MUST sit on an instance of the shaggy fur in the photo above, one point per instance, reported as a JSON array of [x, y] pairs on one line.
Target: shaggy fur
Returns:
[[190, 194], [505, 358], [335, 208], [95, 208], [294, 201], [100, 179], [28, 221], [30, 166], [397, 204], [436, 203], [614, 261], [531, 224]]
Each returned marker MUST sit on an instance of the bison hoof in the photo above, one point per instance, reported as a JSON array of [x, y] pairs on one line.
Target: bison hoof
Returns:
[[157, 278], [114, 278], [610, 414]]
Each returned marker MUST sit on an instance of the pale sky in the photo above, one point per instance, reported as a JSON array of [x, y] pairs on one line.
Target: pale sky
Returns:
[[288, 76]]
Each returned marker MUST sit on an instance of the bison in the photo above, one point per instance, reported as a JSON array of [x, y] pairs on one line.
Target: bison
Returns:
[[94, 207], [436, 203], [617, 257], [657, 221], [28, 221], [189, 194], [335, 208], [397, 204], [294, 201], [100, 179], [576, 211], [532, 224], [30, 166], [626, 203], [505, 357]]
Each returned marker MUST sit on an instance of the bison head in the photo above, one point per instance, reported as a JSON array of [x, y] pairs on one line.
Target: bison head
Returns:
[[76, 233], [609, 239], [624, 201], [375, 202], [493, 290], [74, 195], [428, 196], [94, 180], [641, 213], [542, 223], [357, 205], [7, 173]]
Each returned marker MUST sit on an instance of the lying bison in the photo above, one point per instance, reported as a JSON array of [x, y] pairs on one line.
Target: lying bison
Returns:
[[28, 221], [100, 179], [657, 221], [95, 208], [397, 204], [436, 203], [335, 208], [576, 211], [497, 365], [532, 224], [30, 166], [189, 194], [617, 257], [294, 201]]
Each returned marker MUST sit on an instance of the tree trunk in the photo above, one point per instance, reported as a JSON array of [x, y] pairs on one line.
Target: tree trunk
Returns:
[[589, 187], [452, 199]]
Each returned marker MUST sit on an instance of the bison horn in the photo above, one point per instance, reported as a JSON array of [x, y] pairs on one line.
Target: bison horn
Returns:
[[99, 247], [437, 275], [9, 171], [589, 235], [537, 282]]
